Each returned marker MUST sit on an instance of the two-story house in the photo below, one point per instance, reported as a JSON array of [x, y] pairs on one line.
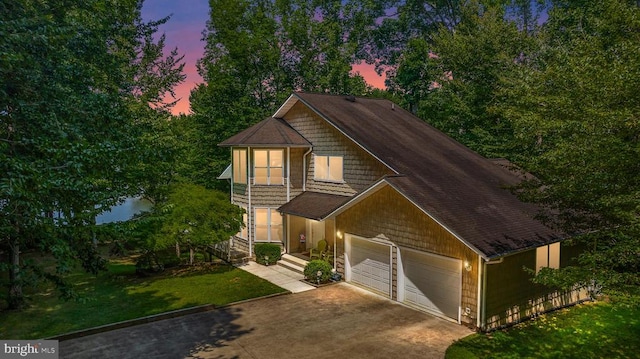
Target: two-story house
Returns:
[[408, 212]]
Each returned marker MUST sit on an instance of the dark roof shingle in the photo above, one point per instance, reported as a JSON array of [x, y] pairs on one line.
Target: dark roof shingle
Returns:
[[268, 132], [313, 205], [462, 190]]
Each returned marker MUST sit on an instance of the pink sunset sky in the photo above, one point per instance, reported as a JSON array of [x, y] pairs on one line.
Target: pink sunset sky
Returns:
[[184, 31]]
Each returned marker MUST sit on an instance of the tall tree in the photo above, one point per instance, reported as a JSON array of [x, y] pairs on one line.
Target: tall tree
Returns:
[[76, 83], [257, 53], [453, 81], [154, 77], [408, 23], [404, 22], [575, 107], [322, 39]]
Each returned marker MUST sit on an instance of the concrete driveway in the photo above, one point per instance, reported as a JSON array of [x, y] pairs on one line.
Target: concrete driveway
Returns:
[[337, 321]]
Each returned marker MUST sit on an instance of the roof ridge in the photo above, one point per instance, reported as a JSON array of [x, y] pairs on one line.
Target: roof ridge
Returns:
[[345, 96]]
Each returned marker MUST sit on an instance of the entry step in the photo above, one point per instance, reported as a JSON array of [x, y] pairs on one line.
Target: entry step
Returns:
[[293, 263]]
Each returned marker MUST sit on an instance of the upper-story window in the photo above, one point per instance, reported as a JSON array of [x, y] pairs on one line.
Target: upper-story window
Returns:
[[268, 167], [240, 166], [548, 256], [328, 168]]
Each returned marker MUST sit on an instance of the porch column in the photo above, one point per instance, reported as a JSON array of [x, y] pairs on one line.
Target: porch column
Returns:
[[250, 208]]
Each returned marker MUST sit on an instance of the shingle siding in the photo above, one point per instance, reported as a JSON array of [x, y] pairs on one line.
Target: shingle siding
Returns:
[[512, 296], [389, 214], [360, 168], [296, 169]]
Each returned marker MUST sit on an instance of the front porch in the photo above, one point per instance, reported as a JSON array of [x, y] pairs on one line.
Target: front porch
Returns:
[[304, 239], [309, 229]]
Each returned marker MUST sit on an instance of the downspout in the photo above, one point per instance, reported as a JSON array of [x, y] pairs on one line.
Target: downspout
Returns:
[[480, 283], [335, 243], [285, 219], [483, 308], [249, 209], [304, 169], [288, 174], [232, 170], [232, 202]]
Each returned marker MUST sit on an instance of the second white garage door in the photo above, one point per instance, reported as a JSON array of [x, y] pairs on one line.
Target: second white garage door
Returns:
[[370, 265], [432, 283]]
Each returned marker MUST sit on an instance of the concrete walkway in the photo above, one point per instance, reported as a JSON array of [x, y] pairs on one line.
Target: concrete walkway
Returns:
[[280, 276]]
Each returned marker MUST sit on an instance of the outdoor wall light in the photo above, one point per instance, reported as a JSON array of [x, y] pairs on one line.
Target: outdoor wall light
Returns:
[[339, 234], [467, 266]]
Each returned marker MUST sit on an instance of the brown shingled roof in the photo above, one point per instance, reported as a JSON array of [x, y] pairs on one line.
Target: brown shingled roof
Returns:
[[313, 205], [267, 133], [462, 190]]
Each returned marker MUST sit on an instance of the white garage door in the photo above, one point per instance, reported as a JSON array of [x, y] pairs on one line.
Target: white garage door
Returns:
[[432, 283], [370, 265]]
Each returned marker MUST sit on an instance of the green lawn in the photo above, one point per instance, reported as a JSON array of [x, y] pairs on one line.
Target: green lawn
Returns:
[[120, 294], [592, 330]]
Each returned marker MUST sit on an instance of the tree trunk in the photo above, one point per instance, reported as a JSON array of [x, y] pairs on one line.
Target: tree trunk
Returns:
[[190, 256], [94, 239], [16, 297]]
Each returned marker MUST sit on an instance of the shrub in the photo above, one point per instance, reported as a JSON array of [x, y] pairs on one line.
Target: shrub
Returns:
[[267, 250], [156, 261], [317, 265]]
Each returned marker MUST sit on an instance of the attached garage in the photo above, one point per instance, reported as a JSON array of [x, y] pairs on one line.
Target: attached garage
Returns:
[[369, 264], [431, 283]]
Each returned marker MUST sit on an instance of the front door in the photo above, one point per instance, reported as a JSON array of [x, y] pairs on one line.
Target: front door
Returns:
[[315, 233]]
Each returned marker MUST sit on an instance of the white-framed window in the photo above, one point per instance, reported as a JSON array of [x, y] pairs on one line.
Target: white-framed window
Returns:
[[244, 232], [268, 225], [268, 167], [548, 256], [328, 168], [240, 166]]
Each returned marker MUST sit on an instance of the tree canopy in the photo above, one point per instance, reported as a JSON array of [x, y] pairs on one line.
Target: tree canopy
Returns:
[[557, 98], [258, 52], [575, 108], [194, 217], [81, 84]]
